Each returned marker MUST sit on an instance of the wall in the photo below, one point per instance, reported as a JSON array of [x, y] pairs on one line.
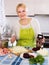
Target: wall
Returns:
[[44, 23], [10, 6], [34, 7]]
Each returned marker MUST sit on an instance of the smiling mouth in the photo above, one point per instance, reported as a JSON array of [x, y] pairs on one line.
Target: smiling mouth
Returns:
[[22, 16]]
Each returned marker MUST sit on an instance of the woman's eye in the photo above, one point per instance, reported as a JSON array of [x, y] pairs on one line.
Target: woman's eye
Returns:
[[19, 11]]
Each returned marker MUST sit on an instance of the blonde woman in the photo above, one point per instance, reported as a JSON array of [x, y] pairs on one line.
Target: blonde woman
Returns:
[[27, 28]]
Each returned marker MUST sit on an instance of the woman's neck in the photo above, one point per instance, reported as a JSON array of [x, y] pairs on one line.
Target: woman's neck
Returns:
[[25, 21]]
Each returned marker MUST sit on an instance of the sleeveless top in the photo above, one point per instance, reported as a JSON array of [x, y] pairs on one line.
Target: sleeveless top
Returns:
[[27, 37]]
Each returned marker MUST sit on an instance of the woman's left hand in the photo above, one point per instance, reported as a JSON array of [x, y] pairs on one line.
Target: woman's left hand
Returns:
[[40, 42]]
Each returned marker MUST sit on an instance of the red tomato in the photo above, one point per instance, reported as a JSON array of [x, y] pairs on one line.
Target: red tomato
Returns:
[[5, 50]]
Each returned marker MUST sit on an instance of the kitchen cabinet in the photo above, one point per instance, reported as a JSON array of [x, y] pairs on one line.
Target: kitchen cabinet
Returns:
[[33, 7]]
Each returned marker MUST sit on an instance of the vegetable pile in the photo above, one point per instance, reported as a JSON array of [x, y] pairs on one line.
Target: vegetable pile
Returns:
[[39, 59]]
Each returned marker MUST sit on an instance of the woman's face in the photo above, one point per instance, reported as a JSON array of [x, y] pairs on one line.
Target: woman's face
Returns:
[[21, 12]]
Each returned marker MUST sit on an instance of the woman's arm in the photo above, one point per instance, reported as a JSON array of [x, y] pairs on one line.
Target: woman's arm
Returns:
[[36, 27]]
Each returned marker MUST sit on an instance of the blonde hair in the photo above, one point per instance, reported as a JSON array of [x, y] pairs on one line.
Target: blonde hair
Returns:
[[20, 5]]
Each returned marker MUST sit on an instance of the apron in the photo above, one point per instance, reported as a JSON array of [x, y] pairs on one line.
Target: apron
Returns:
[[27, 37]]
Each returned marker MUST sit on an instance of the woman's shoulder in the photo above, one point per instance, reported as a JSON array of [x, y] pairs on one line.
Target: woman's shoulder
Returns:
[[29, 19], [32, 19], [35, 22]]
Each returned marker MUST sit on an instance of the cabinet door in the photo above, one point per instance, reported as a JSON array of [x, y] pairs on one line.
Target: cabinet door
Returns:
[[33, 6]]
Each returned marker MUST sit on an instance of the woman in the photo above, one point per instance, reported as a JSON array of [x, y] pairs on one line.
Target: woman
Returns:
[[27, 28]]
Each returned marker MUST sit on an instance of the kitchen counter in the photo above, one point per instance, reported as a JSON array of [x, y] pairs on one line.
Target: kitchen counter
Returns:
[[11, 59]]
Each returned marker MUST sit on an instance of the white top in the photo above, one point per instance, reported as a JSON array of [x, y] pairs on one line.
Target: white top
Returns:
[[34, 24]]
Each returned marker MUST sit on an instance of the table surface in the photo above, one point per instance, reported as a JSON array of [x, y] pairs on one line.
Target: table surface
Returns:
[[11, 59]]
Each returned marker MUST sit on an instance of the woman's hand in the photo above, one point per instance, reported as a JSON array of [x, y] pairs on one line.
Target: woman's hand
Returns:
[[13, 38], [40, 42]]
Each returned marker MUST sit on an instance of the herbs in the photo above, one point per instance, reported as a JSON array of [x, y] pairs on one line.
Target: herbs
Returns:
[[38, 59]]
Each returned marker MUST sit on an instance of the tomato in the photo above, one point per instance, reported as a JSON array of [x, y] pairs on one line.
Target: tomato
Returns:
[[5, 50]]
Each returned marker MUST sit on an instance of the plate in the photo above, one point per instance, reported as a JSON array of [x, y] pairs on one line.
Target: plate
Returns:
[[43, 52], [21, 55], [34, 54], [4, 51]]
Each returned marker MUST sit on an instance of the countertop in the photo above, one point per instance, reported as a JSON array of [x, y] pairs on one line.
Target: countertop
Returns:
[[11, 59]]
